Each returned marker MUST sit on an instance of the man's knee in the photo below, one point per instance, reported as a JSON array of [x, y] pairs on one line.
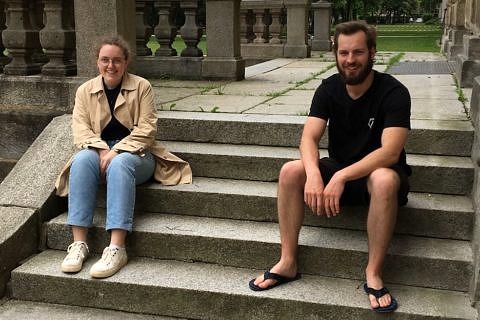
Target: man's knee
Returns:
[[292, 173], [383, 181]]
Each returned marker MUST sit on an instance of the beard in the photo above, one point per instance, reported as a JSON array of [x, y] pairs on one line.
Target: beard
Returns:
[[360, 76]]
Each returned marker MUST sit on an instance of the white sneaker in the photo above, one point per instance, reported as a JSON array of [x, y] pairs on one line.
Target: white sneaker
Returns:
[[111, 261], [77, 254]]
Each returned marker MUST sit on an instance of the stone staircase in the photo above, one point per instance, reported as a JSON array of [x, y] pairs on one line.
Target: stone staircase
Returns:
[[195, 247]]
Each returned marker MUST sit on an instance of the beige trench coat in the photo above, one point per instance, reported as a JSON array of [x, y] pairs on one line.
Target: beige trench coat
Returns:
[[135, 110]]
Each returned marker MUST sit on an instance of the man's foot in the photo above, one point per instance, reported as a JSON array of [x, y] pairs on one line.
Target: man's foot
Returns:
[[278, 273], [111, 261], [378, 294], [278, 280], [77, 254], [384, 300]]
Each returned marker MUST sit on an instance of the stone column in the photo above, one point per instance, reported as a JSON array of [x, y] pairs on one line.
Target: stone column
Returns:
[[223, 59], [190, 32], [3, 59], [275, 27], [297, 29], [457, 30], [58, 38], [143, 31], [475, 106], [95, 18], [322, 12], [21, 39], [468, 63], [165, 31], [259, 26]]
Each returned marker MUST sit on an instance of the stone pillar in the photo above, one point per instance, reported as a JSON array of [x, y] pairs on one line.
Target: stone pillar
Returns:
[[275, 27], [322, 12], [165, 31], [190, 31], [223, 60], [3, 59], [297, 29], [259, 26], [95, 18], [58, 38], [468, 63], [475, 106], [21, 39], [143, 31]]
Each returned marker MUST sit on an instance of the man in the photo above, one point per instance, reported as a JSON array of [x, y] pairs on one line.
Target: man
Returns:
[[368, 115]]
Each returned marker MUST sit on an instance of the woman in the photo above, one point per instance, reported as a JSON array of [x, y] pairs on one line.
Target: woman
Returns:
[[114, 125]]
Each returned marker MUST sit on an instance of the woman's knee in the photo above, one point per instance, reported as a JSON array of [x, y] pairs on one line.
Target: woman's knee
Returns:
[[86, 157]]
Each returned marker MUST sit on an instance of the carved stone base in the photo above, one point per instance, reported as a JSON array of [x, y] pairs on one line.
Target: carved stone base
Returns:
[[223, 68]]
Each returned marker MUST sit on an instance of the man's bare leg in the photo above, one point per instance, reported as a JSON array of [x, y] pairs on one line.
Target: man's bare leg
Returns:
[[383, 185], [290, 204]]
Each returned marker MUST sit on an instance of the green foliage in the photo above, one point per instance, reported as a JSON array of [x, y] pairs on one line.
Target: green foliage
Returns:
[[415, 37]]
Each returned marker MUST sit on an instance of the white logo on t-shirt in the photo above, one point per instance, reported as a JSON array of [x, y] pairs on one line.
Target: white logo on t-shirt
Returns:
[[370, 122]]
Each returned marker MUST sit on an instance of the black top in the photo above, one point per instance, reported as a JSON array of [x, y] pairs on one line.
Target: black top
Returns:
[[355, 126], [114, 129]]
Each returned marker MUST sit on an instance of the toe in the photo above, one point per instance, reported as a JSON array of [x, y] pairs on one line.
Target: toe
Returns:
[[373, 301], [385, 300]]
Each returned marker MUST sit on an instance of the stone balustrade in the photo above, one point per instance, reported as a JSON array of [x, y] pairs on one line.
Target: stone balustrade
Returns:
[[265, 32]]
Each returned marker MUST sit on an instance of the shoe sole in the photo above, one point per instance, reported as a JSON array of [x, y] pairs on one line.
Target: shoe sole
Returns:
[[71, 269], [108, 273]]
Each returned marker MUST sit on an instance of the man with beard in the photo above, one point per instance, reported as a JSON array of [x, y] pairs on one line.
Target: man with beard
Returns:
[[368, 115]]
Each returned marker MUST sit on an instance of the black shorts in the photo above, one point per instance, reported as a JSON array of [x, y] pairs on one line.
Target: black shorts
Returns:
[[356, 191]]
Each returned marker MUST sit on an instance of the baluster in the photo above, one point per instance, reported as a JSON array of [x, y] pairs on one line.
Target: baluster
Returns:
[[165, 31], [36, 11], [258, 27], [143, 32], [190, 31], [243, 26], [3, 59], [20, 39], [58, 38], [275, 26]]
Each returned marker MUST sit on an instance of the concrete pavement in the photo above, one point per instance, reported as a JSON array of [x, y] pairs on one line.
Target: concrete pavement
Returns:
[[286, 87]]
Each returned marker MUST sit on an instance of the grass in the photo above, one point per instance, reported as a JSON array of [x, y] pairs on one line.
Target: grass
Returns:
[[413, 37]]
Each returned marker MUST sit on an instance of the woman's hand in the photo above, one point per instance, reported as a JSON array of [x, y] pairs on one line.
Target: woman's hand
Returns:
[[106, 157]]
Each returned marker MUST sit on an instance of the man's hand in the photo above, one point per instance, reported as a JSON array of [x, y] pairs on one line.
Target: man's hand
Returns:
[[313, 194], [332, 194]]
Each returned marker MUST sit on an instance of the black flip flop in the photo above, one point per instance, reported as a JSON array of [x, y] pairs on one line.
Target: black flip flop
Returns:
[[274, 276], [378, 294]]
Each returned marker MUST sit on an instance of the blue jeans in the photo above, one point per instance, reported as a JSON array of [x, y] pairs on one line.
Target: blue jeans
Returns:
[[124, 172]]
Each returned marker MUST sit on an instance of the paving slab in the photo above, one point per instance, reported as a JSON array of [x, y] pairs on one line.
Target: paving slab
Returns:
[[173, 83], [218, 103], [294, 102], [267, 66], [438, 109], [427, 81], [164, 96], [437, 92], [261, 85], [423, 56]]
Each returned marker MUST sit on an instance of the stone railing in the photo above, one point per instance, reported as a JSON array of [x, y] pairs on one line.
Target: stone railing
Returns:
[[265, 32], [36, 44], [50, 43]]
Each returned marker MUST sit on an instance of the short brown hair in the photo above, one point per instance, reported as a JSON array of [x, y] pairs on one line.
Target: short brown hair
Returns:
[[351, 27], [115, 40]]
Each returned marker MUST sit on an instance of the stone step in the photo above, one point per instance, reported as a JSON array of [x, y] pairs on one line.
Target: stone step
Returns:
[[433, 215], [417, 261], [436, 174], [27, 310], [443, 137], [208, 291]]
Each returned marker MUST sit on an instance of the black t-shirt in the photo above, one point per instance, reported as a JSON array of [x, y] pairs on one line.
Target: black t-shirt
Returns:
[[355, 126], [114, 129]]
